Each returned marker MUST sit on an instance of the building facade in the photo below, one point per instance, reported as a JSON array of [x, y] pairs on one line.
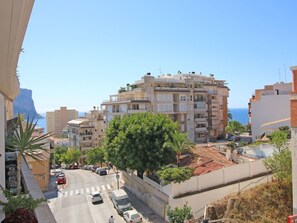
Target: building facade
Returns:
[[293, 109], [269, 109], [198, 103], [14, 18], [56, 121]]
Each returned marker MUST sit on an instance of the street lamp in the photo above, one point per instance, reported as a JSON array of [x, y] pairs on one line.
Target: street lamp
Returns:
[[118, 177]]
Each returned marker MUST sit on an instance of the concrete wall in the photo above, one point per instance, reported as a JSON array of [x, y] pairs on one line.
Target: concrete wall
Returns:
[[2, 142], [154, 198], [217, 178], [198, 201]]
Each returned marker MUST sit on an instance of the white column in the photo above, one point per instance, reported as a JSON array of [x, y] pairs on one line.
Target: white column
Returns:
[[2, 142], [294, 167]]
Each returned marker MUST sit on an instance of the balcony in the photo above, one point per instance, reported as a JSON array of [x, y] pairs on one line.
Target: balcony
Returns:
[[133, 111], [201, 119], [201, 129]]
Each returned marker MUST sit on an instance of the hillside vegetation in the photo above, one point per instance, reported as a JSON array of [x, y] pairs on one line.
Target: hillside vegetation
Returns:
[[266, 203]]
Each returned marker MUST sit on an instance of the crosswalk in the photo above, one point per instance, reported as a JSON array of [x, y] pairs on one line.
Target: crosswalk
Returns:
[[101, 188]]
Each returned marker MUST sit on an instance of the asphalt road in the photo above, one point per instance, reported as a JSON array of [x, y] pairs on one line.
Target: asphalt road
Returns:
[[72, 202]]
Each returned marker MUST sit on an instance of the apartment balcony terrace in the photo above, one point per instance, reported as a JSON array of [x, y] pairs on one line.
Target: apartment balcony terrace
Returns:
[[125, 100], [204, 119], [175, 89], [133, 111], [201, 129]]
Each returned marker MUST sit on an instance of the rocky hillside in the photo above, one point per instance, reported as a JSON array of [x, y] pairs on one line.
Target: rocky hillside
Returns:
[[266, 203], [24, 104]]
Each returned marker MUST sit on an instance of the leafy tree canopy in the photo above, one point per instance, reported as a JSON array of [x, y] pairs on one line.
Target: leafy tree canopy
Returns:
[[179, 215], [96, 155], [234, 127], [71, 156], [59, 153], [138, 141], [175, 175], [281, 160]]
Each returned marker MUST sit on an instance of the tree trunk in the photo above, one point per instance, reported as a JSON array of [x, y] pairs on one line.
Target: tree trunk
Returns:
[[19, 162]]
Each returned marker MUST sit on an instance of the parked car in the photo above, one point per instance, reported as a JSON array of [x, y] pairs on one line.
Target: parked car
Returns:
[[61, 180], [96, 197], [132, 216], [101, 171]]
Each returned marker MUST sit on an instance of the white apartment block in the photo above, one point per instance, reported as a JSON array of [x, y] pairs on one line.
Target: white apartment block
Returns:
[[80, 133], [56, 121], [269, 109], [88, 132], [198, 103]]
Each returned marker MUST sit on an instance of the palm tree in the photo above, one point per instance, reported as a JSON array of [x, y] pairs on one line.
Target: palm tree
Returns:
[[180, 143], [22, 141]]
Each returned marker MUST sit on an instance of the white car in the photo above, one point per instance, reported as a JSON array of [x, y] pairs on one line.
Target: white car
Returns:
[[96, 197], [132, 216]]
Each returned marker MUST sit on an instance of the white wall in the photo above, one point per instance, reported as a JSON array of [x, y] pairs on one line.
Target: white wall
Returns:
[[269, 109], [198, 201], [217, 178]]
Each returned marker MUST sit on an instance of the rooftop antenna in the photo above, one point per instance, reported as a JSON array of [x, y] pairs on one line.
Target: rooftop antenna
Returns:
[[285, 68], [279, 75], [160, 70]]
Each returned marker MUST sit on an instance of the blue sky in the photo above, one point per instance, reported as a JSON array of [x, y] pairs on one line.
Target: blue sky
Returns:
[[77, 53]]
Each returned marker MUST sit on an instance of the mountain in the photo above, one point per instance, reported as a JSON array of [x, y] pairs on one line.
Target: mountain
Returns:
[[24, 104]]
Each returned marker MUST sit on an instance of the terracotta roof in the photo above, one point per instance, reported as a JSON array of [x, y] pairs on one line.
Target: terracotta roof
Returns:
[[208, 159]]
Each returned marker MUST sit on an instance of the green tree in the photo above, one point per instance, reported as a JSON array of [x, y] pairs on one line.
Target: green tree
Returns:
[[280, 163], [138, 142], [175, 175], [234, 127], [96, 155], [71, 156], [59, 153], [179, 143], [179, 215], [21, 140]]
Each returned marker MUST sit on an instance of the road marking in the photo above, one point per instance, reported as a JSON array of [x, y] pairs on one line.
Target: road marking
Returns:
[[66, 194], [93, 189], [103, 187], [82, 191], [87, 190], [71, 193], [98, 188], [77, 191], [108, 186]]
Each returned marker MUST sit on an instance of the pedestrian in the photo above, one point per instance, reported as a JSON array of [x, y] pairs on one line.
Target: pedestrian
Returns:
[[111, 219]]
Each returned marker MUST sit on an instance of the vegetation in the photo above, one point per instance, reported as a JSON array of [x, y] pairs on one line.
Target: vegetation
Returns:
[[175, 175], [59, 154], [281, 161], [19, 209], [179, 215], [234, 127], [138, 142], [71, 156], [96, 155], [21, 140], [266, 203], [179, 143]]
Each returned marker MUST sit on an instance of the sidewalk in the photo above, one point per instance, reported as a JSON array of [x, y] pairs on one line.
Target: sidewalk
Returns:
[[52, 191]]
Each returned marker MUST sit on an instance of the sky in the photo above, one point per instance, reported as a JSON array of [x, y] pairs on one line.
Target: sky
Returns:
[[77, 53]]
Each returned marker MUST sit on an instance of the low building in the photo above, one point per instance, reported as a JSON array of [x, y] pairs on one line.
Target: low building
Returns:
[[269, 109]]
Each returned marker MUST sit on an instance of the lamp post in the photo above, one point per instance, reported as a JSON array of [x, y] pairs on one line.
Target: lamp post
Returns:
[[118, 177]]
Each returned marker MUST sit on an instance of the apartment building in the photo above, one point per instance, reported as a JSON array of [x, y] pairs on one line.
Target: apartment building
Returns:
[[269, 109], [197, 102], [56, 121], [88, 132]]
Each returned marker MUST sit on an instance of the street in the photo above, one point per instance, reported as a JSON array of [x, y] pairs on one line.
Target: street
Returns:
[[72, 202]]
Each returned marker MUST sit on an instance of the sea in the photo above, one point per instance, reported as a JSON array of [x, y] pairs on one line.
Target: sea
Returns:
[[238, 114]]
